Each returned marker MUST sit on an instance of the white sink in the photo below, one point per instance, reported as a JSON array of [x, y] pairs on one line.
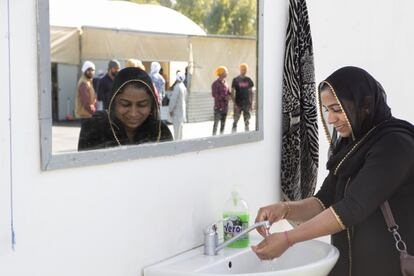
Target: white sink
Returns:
[[306, 258]]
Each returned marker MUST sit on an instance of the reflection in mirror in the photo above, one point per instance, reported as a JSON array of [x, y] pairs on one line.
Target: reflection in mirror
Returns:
[[204, 71], [131, 116]]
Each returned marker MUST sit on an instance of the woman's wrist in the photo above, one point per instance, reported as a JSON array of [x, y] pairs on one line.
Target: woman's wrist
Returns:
[[319, 202], [286, 205], [286, 235]]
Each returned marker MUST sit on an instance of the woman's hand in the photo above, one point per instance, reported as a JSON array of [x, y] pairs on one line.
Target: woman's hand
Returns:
[[271, 247], [272, 213]]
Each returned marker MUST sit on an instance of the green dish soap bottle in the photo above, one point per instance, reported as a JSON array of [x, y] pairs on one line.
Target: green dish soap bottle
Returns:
[[236, 208]]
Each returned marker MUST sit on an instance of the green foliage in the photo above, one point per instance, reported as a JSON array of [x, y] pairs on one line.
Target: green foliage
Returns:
[[225, 17], [234, 17], [195, 10], [166, 3]]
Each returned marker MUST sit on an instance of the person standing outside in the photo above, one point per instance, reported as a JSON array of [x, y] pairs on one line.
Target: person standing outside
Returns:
[[105, 83], [158, 80], [177, 106], [85, 94], [97, 78], [221, 94], [242, 95]]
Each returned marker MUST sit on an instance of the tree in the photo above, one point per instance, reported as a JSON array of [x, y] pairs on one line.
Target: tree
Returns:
[[196, 10], [226, 17], [233, 17]]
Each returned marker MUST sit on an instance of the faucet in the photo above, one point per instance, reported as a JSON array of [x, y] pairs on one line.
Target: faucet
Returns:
[[211, 243]]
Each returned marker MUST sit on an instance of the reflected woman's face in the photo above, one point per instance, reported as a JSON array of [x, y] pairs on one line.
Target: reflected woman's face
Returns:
[[334, 114], [132, 107]]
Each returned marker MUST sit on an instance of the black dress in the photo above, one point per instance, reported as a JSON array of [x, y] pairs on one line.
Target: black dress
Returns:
[[381, 168], [96, 133]]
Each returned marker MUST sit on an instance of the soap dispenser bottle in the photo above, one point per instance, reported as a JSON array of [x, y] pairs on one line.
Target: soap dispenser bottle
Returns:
[[236, 217]]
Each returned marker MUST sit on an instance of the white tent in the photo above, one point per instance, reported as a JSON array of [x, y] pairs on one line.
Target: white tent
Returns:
[[64, 44], [121, 15], [110, 30]]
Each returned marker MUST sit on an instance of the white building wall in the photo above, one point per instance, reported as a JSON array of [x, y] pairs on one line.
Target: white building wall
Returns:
[[376, 35], [5, 236], [117, 218]]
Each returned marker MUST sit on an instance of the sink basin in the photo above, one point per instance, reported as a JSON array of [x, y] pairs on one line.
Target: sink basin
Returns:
[[306, 258]]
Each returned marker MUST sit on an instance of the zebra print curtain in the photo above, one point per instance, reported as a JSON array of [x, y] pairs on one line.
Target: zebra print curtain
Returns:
[[300, 127]]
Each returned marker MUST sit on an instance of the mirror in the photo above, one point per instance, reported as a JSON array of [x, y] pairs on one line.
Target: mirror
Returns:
[[69, 36]]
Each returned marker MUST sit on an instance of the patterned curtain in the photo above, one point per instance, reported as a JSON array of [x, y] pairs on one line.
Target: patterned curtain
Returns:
[[300, 127]]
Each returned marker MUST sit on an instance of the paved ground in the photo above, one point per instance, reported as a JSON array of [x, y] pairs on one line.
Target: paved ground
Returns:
[[65, 134]]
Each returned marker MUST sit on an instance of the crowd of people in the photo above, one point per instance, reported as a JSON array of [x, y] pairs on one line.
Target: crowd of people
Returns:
[[110, 118]]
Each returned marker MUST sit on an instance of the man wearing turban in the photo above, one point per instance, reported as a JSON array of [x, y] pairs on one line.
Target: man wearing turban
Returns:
[[221, 94], [85, 94]]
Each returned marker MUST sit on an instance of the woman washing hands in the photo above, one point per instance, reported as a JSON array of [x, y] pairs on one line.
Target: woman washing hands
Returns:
[[370, 162], [276, 244]]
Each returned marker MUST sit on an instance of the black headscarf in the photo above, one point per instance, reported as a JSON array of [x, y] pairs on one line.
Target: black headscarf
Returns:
[[150, 129], [105, 130], [363, 100], [130, 75]]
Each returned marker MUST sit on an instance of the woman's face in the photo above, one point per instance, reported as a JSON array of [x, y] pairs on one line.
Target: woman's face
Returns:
[[132, 107], [334, 114]]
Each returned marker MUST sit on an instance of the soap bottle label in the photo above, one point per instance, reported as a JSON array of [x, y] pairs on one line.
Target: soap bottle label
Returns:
[[233, 227]]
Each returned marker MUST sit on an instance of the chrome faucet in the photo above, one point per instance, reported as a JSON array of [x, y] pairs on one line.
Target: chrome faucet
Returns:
[[211, 243]]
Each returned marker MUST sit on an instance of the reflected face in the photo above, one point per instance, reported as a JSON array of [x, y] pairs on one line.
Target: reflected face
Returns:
[[334, 113], [114, 70], [132, 107], [243, 71], [90, 73]]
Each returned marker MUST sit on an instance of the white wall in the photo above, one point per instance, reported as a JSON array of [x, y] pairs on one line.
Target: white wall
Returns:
[[376, 35], [5, 236], [115, 219]]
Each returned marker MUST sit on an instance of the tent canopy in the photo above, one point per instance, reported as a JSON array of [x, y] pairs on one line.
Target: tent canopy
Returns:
[[121, 15], [117, 29], [64, 45], [97, 43]]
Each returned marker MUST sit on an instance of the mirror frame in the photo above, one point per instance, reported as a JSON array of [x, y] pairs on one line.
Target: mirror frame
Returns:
[[50, 161]]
